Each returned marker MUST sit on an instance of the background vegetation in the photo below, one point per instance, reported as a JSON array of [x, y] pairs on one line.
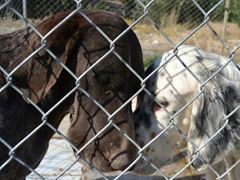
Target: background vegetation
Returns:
[[177, 18], [182, 11], [161, 11]]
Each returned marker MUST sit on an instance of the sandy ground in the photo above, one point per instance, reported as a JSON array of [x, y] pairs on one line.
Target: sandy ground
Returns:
[[59, 157]]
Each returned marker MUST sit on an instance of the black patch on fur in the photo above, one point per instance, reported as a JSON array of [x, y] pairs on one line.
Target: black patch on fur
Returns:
[[199, 58], [226, 97], [162, 74], [230, 96], [146, 119], [141, 117], [200, 121], [153, 84]]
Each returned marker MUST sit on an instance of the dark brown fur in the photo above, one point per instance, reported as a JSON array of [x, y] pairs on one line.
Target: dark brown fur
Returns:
[[79, 45]]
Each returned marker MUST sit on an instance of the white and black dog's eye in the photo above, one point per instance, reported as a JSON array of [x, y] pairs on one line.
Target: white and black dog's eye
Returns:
[[158, 106]]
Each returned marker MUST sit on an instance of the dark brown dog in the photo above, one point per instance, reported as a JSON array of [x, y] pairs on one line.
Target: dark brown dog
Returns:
[[45, 82]]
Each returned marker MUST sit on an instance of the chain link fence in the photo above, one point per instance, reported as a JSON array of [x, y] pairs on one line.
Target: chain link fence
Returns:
[[61, 66]]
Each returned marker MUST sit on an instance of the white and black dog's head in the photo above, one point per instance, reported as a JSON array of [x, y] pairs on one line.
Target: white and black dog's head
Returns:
[[182, 100]]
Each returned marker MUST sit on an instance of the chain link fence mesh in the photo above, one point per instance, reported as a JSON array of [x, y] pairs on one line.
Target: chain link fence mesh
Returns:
[[160, 26]]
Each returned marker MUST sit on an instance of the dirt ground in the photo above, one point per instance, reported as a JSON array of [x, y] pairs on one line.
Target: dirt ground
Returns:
[[154, 44]]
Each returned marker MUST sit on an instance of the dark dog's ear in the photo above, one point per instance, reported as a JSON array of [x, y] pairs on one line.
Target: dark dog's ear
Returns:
[[2, 80], [39, 75], [42, 73]]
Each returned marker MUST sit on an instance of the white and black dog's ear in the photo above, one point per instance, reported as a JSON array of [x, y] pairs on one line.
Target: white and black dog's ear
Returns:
[[140, 113], [151, 82], [210, 113]]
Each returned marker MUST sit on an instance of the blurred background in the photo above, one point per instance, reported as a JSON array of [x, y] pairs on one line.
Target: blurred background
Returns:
[[176, 18]]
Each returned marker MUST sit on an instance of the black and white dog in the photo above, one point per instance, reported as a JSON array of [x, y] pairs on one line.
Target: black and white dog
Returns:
[[192, 99]]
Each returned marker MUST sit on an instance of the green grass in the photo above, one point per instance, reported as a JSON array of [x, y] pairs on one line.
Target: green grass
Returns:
[[149, 60]]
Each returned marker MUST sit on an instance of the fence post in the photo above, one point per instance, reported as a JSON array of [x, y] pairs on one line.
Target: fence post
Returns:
[[225, 21], [24, 8]]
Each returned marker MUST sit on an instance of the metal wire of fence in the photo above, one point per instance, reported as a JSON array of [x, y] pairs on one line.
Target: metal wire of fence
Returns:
[[147, 10]]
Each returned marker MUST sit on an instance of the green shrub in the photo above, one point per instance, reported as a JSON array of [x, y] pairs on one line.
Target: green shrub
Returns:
[[149, 60], [234, 15]]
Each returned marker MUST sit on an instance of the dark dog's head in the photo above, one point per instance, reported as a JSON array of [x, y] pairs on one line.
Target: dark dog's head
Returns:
[[184, 100], [97, 122]]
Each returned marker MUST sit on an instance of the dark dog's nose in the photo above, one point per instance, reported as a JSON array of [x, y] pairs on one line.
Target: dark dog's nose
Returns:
[[121, 161]]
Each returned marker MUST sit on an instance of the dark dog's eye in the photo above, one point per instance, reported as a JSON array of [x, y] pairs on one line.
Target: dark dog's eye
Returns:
[[160, 105]]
